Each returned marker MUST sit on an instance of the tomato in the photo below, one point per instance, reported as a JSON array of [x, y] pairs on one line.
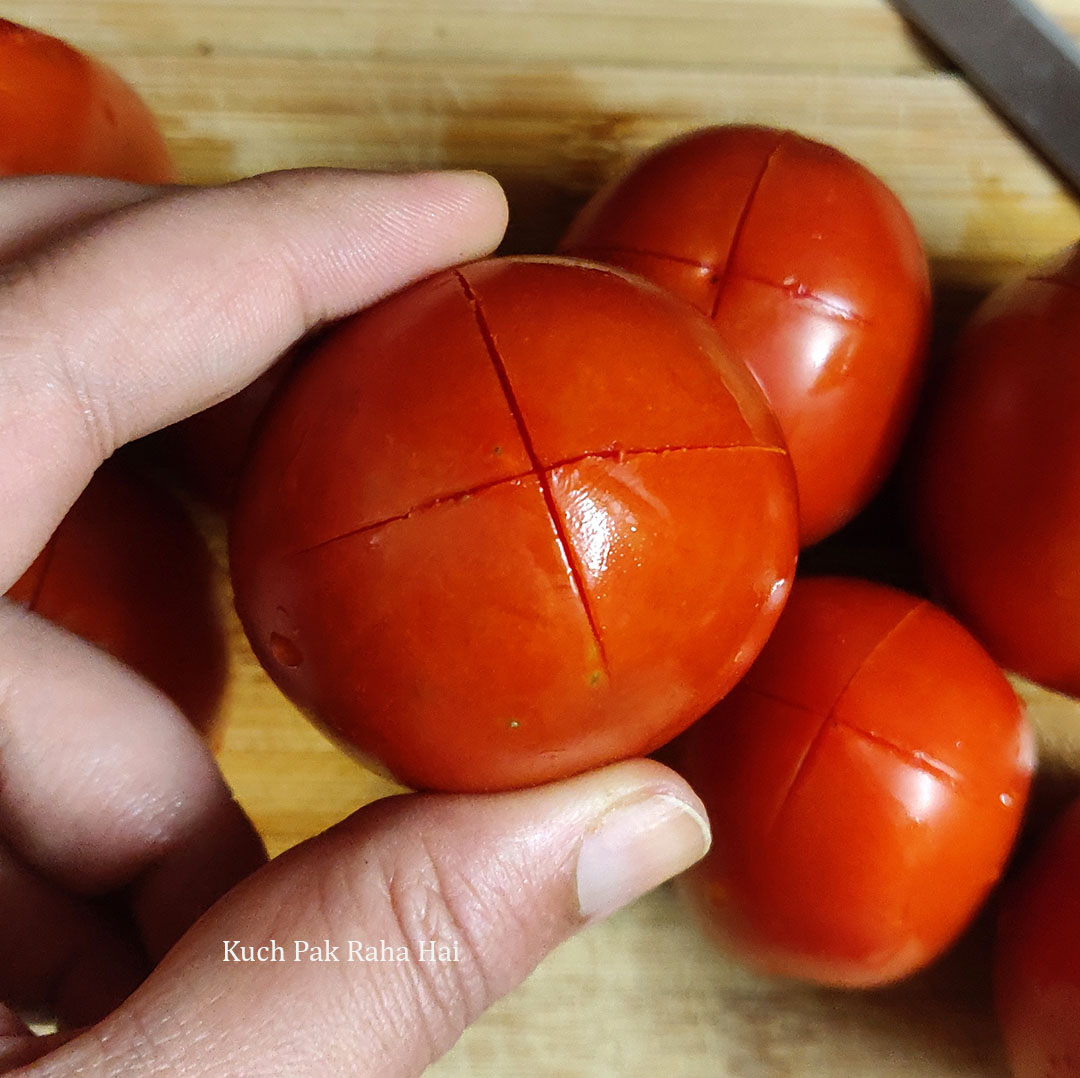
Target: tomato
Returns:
[[128, 571], [1037, 959], [62, 111], [522, 519], [865, 783], [812, 273], [998, 492]]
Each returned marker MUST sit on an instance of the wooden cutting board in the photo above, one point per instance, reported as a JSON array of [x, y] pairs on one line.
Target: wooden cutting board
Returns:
[[552, 96]]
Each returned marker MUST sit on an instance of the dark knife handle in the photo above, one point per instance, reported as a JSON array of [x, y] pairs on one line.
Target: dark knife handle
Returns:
[[1021, 61]]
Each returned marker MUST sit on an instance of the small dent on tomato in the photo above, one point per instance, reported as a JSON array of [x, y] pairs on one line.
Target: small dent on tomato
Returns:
[[284, 651], [497, 451]]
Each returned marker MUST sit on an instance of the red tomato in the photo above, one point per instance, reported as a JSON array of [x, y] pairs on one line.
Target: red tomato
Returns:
[[812, 273], [62, 111], [127, 570], [1037, 961], [999, 491], [865, 783], [520, 520]]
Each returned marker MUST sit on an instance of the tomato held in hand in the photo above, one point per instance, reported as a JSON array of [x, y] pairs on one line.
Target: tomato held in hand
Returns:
[[62, 111], [865, 782], [127, 570], [999, 488], [1037, 959], [522, 519], [812, 273]]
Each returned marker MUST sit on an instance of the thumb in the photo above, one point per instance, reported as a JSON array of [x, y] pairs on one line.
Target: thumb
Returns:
[[383, 938]]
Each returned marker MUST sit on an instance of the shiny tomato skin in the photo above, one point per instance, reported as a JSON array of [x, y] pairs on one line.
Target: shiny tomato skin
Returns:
[[865, 782], [127, 570], [522, 519], [811, 271], [998, 489], [1037, 958], [62, 111]]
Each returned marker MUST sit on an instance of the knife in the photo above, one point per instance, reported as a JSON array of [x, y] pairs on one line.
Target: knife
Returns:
[[1021, 61]]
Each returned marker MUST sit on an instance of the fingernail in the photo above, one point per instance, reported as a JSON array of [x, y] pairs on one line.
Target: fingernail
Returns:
[[636, 846]]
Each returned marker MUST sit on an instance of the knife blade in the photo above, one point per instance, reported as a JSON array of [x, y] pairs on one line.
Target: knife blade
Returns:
[[1021, 61]]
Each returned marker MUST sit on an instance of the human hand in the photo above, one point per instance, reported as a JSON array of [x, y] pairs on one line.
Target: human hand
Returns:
[[124, 309]]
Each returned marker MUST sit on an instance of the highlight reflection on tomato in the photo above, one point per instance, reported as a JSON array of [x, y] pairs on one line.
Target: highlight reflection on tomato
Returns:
[[522, 519], [998, 489], [865, 782], [127, 570], [1037, 959], [812, 273], [62, 111]]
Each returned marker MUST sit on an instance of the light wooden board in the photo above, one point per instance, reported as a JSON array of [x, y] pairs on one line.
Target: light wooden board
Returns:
[[552, 96]]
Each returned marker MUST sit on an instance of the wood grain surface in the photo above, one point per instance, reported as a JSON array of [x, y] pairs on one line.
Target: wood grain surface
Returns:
[[552, 96]]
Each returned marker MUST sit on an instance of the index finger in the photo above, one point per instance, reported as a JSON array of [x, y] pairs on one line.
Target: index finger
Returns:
[[168, 306]]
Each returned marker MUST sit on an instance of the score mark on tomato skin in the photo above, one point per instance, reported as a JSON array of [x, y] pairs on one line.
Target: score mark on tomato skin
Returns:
[[569, 554]]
